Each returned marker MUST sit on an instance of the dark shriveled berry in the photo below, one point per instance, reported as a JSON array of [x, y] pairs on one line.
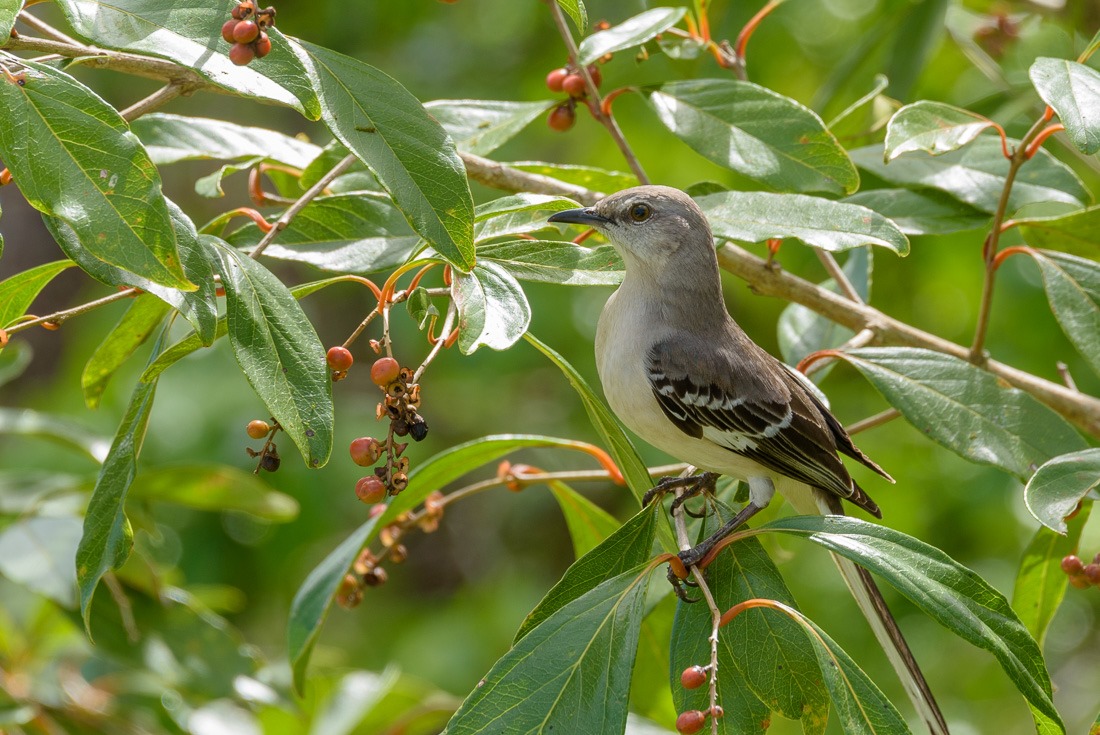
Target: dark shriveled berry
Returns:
[[418, 428], [270, 462]]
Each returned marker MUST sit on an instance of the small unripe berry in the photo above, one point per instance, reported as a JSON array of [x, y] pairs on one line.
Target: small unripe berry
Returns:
[[1092, 573], [227, 31], [370, 490], [693, 677], [573, 85], [1072, 564], [262, 45], [555, 78], [365, 451], [245, 31], [241, 54], [384, 371], [339, 358], [690, 722], [561, 118], [258, 429]]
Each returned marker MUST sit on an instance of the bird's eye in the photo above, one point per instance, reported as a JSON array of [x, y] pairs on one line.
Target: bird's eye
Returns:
[[640, 212]]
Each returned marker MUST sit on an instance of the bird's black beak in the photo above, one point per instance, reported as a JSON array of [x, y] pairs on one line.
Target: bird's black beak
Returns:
[[586, 216]]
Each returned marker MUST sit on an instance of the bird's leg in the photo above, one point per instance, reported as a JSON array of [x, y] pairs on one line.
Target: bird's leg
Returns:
[[692, 486]]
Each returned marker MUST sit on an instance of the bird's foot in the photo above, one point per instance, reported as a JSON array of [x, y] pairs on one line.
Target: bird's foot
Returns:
[[694, 485], [699, 553]]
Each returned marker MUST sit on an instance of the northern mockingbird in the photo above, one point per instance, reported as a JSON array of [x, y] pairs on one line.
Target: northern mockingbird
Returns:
[[680, 373]]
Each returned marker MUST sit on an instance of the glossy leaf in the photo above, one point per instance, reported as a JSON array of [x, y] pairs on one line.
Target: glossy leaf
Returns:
[[9, 9], [570, 674], [1073, 90], [210, 186], [343, 233], [19, 292], [27, 422], [976, 175], [108, 537], [576, 12], [38, 553], [185, 31], [588, 523], [1073, 290], [596, 179], [946, 591], [173, 138], [628, 34], [74, 158], [921, 212], [516, 214], [1077, 232], [965, 409], [143, 316], [835, 226], [278, 351], [214, 488], [1056, 488], [334, 152], [931, 127], [554, 261], [627, 547], [482, 126], [758, 133], [492, 309], [410, 153], [1040, 581], [620, 447]]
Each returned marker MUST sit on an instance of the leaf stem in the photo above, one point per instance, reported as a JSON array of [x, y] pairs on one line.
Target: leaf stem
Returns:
[[838, 275]]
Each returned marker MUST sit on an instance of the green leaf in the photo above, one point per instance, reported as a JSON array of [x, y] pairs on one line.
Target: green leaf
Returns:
[[948, 592], [516, 214], [420, 307], [356, 177], [922, 212], [1077, 232], [976, 175], [630, 33], [553, 261], [19, 292], [212, 487], [28, 422], [145, 314], [629, 546], [588, 523], [38, 553], [186, 32], [576, 12], [482, 126], [1056, 488], [210, 186], [1073, 290], [343, 233], [492, 309], [410, 153], [88, 170], [173, 138], [932, 127], [620, 447], [573, 670], [756, 132], [835, 226], [278, 351], [9, 9], [314, 598], [1040, 581], [1073, 90], [965, 409], [108, 537], [589, 177]]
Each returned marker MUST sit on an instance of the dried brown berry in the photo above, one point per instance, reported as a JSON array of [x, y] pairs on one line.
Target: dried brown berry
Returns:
[[573, 85], [370, 490], [365, 451], [243, 10], [241, 54], [270, 462], [418, 428], [262, 45], [227, 30], [246, 31], [400, 427], [349, 593], [384, 371], [258, 429], [398, 554], [693, 677], [562, 118], [399, 482], [375, 577], [339, 358], [1072, 564], [690, 722], [555, 78]]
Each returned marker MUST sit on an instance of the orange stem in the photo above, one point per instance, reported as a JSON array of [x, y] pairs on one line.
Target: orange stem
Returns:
[[253, 215], [1004, 254], [1041, 138], [605, 105], [813, 357], [750, 27]]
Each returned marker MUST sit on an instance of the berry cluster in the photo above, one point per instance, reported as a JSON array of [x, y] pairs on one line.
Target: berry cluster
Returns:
[[399, 405], [247, 32], [1082, 575], [692, 721], [569, 80], [268, 454]]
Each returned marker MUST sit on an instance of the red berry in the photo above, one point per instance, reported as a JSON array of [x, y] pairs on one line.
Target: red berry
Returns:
[[227, 31], [573, 85], [240, 54], [1092, 573], [384, 371], [262, 45], [370, 490], [1072, 565], [594, 72], [245, 31], [257, 429], [365, 451], [339, 358], [693, 677], [561, 118], [1079, 581], [555, 78], [690, 722]]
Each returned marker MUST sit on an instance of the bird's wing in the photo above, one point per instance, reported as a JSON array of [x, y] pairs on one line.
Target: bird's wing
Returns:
[[749, 404]]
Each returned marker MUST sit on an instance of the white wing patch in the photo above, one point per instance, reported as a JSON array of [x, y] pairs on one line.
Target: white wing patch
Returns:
[[734, 440]]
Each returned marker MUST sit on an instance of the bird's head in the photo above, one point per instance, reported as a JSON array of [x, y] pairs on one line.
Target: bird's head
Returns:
[[647, 225]]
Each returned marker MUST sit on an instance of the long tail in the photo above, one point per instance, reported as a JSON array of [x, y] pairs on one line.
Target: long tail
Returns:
[[873, 606]]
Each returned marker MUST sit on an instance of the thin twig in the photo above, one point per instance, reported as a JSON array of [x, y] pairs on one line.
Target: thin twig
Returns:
[[872, 421], [58, 317], [46, 29], [593, 96], [838, 275], [162, 96], [447, 322], [505, 178], [136, 64]]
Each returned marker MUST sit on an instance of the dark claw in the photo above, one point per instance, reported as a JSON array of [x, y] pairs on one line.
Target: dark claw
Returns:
[[678, 587]]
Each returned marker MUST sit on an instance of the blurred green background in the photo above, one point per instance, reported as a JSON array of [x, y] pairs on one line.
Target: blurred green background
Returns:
[[452, 609]]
